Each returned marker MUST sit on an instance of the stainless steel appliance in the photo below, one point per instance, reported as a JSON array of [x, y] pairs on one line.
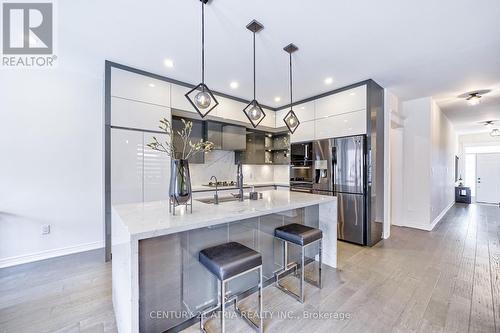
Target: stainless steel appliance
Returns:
[[322, 167], [349, 187], [301, 172]]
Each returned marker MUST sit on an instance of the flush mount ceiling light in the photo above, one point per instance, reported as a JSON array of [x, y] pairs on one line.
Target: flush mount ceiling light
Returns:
[[474, 97], [495, 132], [488, 124], [234, 85], [291, 120], [200, 97], [253, 110]]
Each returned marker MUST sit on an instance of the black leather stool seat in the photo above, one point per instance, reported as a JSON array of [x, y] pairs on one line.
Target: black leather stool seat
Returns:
[[298, 233], [229, 259]]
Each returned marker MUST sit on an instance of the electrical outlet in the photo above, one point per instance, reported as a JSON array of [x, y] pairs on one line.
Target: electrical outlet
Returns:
[[45, 229]]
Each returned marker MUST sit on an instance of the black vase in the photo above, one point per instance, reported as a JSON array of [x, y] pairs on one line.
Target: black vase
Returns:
[[180, 182]]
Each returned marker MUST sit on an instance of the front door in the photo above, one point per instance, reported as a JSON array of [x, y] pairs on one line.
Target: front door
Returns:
[[488, 178]]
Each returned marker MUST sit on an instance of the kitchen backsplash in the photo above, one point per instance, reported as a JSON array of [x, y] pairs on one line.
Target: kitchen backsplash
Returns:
[[220, 163]]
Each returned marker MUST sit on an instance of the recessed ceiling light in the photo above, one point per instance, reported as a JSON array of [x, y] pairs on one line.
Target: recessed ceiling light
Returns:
[[168, 63], [277, 99], [234, 85], [328, 80], [152, 85]]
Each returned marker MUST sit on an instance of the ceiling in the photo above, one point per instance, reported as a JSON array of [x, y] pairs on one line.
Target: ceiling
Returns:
[[414, 48], [467, 118]]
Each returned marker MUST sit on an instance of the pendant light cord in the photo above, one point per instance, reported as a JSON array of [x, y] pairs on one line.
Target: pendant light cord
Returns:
[[202, 42], [254, 66], [291, 83]]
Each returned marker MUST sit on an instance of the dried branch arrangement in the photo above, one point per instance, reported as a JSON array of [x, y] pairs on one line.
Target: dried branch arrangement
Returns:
[[187, 148]]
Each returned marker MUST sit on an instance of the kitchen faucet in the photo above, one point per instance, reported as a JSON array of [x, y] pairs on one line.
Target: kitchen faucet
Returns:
[[216, 195], [239, 181]]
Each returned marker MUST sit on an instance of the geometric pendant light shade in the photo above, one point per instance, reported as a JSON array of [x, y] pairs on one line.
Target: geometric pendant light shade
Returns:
[[253, 110], [291, 120], [201, 97]]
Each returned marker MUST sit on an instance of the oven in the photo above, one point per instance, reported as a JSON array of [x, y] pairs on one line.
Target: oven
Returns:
[[299, 186]]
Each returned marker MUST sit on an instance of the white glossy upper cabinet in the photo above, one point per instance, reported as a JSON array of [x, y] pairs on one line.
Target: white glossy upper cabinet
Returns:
[[126, 166], [156, 170], [346, 124], [133, 114], [270, 119], [342, 102], [305, 111], [305, 132], [231, 109], [138, 87], [279, 118], [179, 100]]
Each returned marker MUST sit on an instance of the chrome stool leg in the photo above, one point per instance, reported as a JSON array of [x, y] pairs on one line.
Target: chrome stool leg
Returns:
[[287, 267], [223, 304], [223, 301], [261, 315], [302, 271]]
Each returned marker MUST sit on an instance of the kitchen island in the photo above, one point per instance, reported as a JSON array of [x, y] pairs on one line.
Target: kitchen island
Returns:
[[158, 283]]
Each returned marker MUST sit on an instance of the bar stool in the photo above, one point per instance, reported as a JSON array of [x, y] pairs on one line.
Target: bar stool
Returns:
[[228, 261], [303, 236]]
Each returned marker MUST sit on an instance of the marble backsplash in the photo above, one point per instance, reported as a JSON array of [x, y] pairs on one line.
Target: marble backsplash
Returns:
[[220, 163]]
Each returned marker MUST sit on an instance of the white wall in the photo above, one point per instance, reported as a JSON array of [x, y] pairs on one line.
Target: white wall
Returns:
[[416, 162], [428, 148], [51, 171], [443, 152], [391, 107]]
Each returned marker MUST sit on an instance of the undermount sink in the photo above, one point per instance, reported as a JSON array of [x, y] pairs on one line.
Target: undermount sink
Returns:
[[222, 199]]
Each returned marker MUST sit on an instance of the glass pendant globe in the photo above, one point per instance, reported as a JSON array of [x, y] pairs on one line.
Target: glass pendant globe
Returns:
[[291, 121], [255, 113], [202, 100]]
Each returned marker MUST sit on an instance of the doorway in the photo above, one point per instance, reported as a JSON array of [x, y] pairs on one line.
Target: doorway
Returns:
[[488, 178]]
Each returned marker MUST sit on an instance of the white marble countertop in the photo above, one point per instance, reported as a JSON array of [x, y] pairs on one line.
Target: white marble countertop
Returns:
[[152, 219]]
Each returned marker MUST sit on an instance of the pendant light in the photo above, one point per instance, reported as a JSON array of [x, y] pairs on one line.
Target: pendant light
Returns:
[[253, 110], [291, 120], [200, 97]]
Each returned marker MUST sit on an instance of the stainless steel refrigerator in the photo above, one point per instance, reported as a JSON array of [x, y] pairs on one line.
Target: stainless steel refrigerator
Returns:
[[322, 167], [348, 156]]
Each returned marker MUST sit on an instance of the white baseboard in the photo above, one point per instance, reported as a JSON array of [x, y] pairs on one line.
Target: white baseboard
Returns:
[[27, 258], [441, 215], [431, 226]]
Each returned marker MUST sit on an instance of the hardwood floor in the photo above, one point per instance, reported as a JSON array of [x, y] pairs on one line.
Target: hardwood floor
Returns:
[[447, 280]]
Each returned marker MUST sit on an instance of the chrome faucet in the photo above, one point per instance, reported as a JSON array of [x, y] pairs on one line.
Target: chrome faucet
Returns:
[[239, 181], [216, 195]]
